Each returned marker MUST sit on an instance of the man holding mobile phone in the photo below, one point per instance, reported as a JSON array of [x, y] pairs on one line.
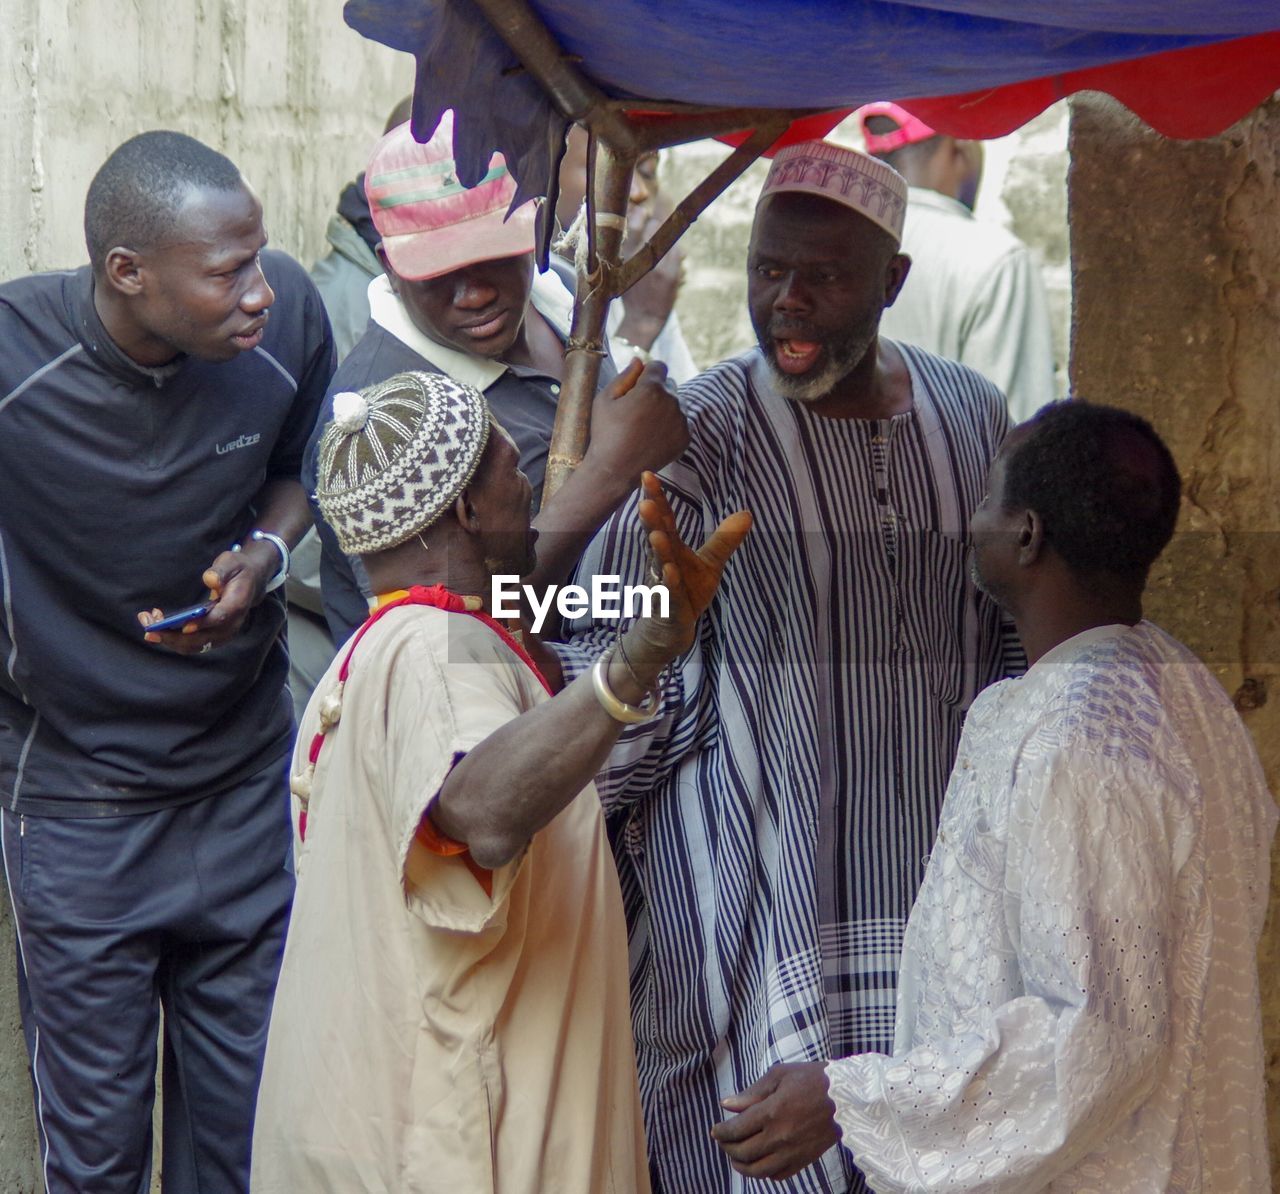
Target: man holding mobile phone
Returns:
[[154, 407]]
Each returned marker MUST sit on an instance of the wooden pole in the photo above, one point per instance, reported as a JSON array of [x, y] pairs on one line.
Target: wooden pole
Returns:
[[697, 201], [607, 214], [617, 140], [569, 89], [602, 277]]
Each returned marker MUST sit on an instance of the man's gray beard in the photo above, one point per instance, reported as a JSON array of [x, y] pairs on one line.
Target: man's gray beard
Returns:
[[814, 386]]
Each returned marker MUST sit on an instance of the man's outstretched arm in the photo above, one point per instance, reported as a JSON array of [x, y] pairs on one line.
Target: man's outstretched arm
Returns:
[[514, 782]]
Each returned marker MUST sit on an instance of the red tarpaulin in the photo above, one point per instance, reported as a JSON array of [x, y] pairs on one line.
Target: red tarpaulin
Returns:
[[1197, 92]]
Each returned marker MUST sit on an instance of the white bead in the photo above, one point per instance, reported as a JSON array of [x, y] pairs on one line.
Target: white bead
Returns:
[[300, 785], [331, 710], [350, 411]]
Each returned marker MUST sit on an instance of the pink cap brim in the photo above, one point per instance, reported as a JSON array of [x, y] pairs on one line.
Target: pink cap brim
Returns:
[[417, 256], [910, 131]]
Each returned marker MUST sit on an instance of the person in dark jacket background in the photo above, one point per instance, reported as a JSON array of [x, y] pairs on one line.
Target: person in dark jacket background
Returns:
[[342, 276]]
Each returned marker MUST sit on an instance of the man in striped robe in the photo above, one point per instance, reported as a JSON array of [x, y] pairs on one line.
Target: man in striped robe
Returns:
[[771, 824]]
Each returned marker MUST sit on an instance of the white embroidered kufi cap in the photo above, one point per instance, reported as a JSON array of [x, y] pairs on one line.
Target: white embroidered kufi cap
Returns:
[[868, 186], [396, 456]]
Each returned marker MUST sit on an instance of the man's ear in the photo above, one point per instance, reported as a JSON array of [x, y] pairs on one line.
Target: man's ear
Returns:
[[122, 271], [895, 275], [392, 277], [465, 513], [1030, 539]]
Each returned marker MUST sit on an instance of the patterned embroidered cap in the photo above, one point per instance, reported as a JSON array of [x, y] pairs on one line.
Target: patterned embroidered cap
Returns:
[[396, 456], [868, 186]]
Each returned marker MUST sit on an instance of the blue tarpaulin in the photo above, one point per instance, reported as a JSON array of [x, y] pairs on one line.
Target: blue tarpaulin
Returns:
[[1004, 59]]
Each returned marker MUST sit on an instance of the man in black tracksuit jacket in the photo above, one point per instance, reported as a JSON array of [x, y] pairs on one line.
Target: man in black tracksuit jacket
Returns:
[[154, 409]]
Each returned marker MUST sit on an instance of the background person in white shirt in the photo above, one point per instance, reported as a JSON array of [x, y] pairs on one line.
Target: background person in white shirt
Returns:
[[975, 295], [645, 320], [1078, 1004]]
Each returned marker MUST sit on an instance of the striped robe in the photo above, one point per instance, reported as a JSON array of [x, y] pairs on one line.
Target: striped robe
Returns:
[[771, 827]]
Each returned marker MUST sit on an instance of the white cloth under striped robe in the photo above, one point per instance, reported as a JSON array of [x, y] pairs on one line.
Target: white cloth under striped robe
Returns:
[[771, 828]]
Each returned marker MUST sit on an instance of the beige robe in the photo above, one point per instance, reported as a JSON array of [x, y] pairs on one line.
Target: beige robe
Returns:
[[451, 1041]]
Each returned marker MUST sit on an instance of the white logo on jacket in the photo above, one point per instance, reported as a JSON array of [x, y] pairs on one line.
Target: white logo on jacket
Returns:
[[245, 441]]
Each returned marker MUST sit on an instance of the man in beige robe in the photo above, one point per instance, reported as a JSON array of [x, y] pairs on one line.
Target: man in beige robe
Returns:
[[453, 1013]]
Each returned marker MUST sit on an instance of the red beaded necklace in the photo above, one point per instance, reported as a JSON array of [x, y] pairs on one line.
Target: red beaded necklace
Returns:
[[436, 596]]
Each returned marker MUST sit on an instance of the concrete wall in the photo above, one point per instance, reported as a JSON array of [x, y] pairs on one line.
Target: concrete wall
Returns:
[[291, 94], [1176, 249], [17, 1134]]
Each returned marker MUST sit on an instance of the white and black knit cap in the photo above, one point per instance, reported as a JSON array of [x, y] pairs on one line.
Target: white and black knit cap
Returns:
[[396, 456]]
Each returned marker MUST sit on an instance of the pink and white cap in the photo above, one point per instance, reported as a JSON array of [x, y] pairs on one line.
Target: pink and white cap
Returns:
[[858, 181], [910, 130], [430, 223]]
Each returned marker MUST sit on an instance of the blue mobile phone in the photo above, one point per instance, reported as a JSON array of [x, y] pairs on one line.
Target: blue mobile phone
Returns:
[[181, 618]]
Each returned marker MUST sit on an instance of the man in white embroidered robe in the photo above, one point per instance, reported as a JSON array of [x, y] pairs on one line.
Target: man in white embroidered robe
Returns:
[[1078, 1007]]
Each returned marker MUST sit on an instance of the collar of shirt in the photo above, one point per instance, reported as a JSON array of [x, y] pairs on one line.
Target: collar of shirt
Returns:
[[95, 337], [1069, 648], [936, 201], [550, 298]]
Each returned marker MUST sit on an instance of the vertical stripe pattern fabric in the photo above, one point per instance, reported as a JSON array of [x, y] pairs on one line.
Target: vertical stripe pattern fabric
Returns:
[[772, 825]]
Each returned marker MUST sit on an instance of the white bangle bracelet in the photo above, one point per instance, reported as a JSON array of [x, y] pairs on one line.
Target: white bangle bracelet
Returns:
[[628, 350], [282, 547], [618, 709]]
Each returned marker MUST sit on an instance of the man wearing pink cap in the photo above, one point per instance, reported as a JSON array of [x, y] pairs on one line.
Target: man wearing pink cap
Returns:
[[771, 825], [461, 297], [976, 295]]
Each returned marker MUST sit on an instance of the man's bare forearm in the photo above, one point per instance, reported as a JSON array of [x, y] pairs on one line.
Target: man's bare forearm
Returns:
[[641, 329], [567, 523], [636, 425], [283, 510], [515, 781]]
